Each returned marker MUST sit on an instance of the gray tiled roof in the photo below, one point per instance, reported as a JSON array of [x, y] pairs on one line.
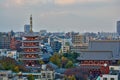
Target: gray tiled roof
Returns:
[[96, 55]]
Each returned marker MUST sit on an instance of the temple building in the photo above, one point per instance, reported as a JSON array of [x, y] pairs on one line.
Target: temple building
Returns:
[[100, 54], [31, 53]]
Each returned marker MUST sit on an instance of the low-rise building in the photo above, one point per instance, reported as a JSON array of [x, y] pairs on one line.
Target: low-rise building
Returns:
[[47, 75], [108, 77], [8, 53], [3, 52]]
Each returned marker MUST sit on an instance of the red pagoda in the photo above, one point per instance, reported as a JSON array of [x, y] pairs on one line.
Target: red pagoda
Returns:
[[30, 55]]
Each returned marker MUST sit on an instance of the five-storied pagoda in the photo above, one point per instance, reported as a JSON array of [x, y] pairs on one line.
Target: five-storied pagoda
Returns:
[[31, 53]]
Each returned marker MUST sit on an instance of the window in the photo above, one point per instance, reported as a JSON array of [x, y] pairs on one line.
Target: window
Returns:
[[104, 78], [43, 75], [112, 79], [48, 75]]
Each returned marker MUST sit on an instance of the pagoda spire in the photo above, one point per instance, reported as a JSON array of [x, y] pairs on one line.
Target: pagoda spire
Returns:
[[31, 23]]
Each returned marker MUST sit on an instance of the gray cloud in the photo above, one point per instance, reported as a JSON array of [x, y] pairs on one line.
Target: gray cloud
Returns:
[[77, 15]]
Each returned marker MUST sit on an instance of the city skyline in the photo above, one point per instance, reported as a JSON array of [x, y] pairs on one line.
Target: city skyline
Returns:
[[60, 15]]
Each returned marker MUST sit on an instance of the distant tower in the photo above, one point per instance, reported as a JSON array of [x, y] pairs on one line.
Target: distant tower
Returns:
[[31, 24], [118, 27]]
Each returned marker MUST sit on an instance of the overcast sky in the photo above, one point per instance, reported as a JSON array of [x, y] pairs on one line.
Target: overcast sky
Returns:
[[60, 15]]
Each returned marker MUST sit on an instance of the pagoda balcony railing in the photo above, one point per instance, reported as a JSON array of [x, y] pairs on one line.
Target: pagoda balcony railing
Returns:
[[34, 56], [29, 47], [30, 40], [31, 51], [40, 53], [29, 58], [35, 66]]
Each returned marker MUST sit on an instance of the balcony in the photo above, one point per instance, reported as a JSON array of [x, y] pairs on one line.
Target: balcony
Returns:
[[30, 41], [40, 53], [29, 58], [29, 47], [32, 66], [30, 44], [31, 51]]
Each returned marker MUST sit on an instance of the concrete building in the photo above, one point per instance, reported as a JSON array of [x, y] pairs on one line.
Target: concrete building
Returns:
[[47, 75], [107, 35], [108, 77], [43, 32], [8, 75], [65, 49], [78, 39], [7, 53], [55, 45], [79, 48], [3, 52], [27, 28], [79, 43], [5, 39], [66, 43], [12, 54], [118, 27]]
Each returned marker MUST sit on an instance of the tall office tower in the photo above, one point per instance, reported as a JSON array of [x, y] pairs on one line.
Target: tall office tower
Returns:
[[118, 27], [31, 50], [27, 28]]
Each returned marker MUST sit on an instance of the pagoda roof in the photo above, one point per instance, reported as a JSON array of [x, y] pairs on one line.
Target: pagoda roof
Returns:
[[30, 34]]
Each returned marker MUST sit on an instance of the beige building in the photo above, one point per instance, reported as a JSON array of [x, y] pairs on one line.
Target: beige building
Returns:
[[65, 49], [109, 77], [77, 39], [47, 75], [79, 48]]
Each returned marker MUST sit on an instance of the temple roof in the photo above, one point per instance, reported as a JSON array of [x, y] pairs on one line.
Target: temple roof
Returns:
[[96, 55]]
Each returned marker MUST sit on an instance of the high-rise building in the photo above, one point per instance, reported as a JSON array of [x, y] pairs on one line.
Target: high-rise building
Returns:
[[118, 27], [27, 28]]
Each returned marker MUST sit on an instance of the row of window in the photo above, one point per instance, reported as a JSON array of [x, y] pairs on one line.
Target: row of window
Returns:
[[107, 78]]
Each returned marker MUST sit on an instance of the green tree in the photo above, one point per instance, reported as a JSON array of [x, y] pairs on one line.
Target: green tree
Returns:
[[64, 61], [69, 64], [67, 43], [16, 69], [73, 77], [56, 59], [41, 62], [118, 62], [30, 77]]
